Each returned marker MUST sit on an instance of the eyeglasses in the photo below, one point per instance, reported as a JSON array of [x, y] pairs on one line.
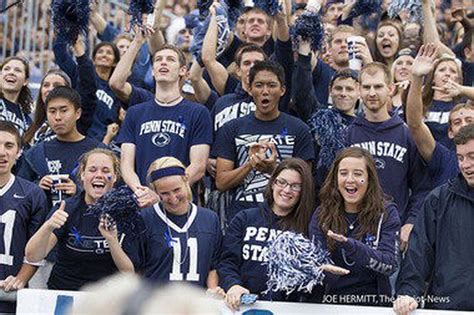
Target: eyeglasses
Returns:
[[282, 183]]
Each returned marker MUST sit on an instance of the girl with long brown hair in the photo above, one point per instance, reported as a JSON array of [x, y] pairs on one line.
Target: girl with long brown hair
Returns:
[[289, 203], [358, 225]]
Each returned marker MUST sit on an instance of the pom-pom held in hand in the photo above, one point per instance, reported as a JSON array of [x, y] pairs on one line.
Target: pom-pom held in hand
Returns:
[[308, 27], [120, 207], [413, 7], [294, 263], [70, 18], [366, 7], [271, 7], [137, 8], [223, 32]]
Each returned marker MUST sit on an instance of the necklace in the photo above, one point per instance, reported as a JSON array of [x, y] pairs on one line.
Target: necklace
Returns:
[[170, 239], [351, 224], [169, 102]]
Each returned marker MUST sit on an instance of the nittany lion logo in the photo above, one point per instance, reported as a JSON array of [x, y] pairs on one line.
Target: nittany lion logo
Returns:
[[161, 139], [379, 163]]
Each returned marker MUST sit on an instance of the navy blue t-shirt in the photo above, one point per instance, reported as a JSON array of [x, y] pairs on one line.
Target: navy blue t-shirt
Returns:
[[12, 112], [289, 134], [83, 254], [158, 131], [181, 247], [106, 112], [23, 208], [437, 120]]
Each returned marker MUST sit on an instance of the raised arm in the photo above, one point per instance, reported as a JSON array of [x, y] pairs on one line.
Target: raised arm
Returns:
[[216, 70], [282, 30], [157, 39], [98, 22], [303, 94], [87, 88], [118, 80], [420, 132], [202, 91], [430, 33]]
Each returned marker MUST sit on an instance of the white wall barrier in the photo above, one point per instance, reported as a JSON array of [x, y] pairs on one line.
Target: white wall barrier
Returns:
[[33, 301]]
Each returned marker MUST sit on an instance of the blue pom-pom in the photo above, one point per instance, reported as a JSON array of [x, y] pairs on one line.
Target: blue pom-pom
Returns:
[[121, 207], [326, 127], [137, 8], [70, 18], [223, 32], [271, 7], [308, 26], [236, 8], [366, 7], [294, 263], [413, 7], [203, 7]]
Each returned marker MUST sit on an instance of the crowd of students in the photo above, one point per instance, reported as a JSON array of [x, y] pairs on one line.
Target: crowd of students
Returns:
[[225, 151]]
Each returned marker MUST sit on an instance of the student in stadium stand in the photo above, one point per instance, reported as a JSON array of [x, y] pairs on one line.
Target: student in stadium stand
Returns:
[[86, 249], [23, 208], [437, 268], [359, 226], [182, 240]]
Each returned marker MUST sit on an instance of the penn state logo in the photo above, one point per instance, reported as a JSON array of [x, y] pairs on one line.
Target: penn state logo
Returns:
[[161, 139], [379, 163]]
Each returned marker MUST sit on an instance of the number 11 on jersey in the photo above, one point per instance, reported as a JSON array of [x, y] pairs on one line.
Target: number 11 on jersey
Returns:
[[192, 253]]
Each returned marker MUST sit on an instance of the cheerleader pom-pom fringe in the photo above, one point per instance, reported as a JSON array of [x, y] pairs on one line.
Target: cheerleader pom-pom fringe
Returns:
[[70, 18], [223, 32], [366, 7], [413, 7], [203, 7], [120, 206], [294, 263], [308, 27], [271, 7], [136, 10]]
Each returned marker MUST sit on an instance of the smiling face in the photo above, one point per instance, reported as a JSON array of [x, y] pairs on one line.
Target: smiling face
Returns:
[[49, 83], [105, 57], [459, 119], [173, 192], [465, 154], [98, 176], [286, 191], [266, 90], [13, 76], [62, 116], [352, 182], [9, 150], [166, 67], [387, 41], [402, 68], [344, 94]]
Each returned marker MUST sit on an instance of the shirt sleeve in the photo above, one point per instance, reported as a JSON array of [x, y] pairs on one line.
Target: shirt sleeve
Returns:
[[127, 131], [202, 131]]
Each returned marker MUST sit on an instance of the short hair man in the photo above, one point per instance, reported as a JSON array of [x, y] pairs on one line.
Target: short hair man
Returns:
[[165, 126], [248, 148], [59, 156], [440, 254], [399, 166], [23, 208]]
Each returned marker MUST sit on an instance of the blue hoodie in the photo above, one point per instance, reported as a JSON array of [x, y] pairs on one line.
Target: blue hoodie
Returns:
[[370, 260], [400, 168]]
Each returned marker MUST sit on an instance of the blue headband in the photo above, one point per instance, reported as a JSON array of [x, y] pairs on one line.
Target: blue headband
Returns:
[[165, 172]]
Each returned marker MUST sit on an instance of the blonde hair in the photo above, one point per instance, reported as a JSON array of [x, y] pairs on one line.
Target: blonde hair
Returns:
[[85, 158], [164, 162]]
